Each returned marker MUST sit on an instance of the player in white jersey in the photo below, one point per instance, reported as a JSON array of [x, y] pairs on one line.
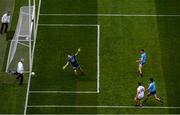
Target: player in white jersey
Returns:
[[140, 94]]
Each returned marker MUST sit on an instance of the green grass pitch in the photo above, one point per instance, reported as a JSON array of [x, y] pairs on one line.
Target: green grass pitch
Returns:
[[120, 39]]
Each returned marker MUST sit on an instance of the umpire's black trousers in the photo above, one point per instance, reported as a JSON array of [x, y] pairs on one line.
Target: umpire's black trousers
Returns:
[[4, 25], [20, 77]]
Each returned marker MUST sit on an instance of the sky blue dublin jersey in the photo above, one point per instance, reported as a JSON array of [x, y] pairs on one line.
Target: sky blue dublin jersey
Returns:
[[152, 87], [143, 58]]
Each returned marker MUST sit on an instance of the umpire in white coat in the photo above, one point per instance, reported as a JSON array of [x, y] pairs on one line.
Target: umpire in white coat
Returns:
[[5, 22]]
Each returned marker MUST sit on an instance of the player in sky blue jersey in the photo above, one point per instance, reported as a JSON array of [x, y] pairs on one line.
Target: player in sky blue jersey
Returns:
[[152, 91], [141, 61], [72, 60]]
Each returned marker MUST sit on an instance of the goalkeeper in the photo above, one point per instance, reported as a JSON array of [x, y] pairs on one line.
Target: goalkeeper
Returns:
[[74, 63]]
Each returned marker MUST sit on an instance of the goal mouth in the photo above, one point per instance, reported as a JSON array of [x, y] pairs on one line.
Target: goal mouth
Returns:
[[20, 43]]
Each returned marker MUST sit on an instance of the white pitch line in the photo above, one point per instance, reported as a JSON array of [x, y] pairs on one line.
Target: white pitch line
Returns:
[[36, 92], [98, 59], [29, 80], [116, 15], [85, 25], [80, 106]]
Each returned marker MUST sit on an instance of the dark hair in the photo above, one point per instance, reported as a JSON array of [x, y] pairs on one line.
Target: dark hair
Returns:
[[139, 83], [151, 79], [142, 50], [8, 12]]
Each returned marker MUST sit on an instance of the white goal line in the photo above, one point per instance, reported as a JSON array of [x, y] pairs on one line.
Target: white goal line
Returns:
[[118, 107], [72, 92], [116, 15], [95, 25], [35, 34]]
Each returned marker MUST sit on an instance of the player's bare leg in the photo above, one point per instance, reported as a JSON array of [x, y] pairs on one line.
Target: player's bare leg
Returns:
[[158, 99], [138, 73], [135, 99], [138, 101], [140, 70], [82, 71], [75, 72]]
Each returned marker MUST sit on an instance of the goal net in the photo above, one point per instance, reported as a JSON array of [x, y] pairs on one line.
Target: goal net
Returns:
[[20, 46]]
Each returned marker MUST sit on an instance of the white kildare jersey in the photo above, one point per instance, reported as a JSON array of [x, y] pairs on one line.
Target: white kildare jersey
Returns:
[[140, 92]]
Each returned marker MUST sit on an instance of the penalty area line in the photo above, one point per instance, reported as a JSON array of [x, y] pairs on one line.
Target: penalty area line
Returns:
[[63, 92], [95, 25], [98, 58], [125, 107]]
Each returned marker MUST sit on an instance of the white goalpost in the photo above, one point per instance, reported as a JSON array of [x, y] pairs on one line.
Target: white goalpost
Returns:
[[20, 46], [33, 25], [22, 43]]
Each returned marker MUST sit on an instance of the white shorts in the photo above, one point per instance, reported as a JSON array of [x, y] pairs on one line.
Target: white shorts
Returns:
[[141, 66], [140, 96]]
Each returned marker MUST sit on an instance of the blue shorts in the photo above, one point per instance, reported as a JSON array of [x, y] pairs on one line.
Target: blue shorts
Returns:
[[142, 64], [152, 93], [75, 66]]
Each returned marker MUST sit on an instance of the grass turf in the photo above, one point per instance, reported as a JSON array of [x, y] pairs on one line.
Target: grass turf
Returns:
[[68, 39], [121, 39], [12, 96]]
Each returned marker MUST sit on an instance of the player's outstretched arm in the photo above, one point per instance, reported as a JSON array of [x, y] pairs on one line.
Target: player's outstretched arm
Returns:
[[64, 67], [79, 49], [138, 60], [147, 89]]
